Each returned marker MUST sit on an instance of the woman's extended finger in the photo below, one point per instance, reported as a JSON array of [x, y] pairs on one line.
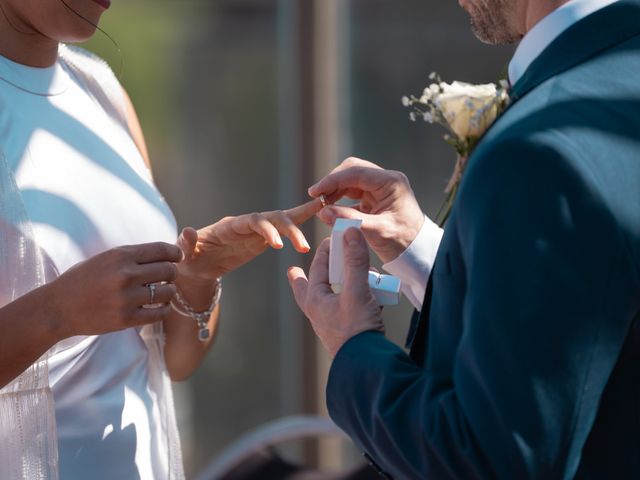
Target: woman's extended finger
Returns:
[[304, 212], [258, 223], [287, 228]]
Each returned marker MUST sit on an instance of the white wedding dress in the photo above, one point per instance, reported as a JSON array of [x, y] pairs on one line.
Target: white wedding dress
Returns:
[[85, 189]]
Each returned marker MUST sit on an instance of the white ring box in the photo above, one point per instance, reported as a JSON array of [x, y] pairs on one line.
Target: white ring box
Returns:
[[386, 288]]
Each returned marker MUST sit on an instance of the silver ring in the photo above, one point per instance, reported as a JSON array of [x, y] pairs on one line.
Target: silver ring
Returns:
[[323, 201], [152, 291]]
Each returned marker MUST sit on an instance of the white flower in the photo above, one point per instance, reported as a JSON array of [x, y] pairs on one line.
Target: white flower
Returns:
[[430, 93], [469, 110]]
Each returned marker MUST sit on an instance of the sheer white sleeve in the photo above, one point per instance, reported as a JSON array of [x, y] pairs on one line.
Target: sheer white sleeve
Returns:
[[28, 441]]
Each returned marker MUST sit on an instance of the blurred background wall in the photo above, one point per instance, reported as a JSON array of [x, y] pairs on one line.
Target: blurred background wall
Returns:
[[245, 103]]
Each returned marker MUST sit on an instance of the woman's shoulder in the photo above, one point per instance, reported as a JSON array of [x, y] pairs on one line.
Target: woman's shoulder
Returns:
[[96, 76], [83, 58]]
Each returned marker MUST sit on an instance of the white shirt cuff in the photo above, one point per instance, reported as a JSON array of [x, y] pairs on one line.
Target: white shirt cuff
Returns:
[[414, 265]]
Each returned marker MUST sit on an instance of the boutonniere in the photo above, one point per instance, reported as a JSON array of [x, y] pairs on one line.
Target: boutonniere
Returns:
[[466, 111]]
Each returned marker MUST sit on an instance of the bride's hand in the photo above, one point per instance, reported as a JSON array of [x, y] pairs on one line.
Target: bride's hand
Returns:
[[233, 241]]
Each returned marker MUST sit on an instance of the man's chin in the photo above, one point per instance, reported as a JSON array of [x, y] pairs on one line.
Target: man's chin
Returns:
[[492, 34]]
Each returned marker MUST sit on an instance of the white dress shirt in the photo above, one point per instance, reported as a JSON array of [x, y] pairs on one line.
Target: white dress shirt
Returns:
[[414, 265], [547, 30]]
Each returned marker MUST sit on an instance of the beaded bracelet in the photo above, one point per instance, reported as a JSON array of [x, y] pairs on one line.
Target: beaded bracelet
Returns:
[[180, 305]]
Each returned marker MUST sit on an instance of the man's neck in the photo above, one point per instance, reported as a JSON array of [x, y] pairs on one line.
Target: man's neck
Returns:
[[536, 10]]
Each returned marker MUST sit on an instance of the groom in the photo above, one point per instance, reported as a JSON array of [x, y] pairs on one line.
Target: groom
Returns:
[[525, 359]]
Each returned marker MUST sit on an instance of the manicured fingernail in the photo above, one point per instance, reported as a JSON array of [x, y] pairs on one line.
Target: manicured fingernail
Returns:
[[306, 245]]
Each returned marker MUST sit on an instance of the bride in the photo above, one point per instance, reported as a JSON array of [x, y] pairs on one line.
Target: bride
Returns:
[[102, 306]]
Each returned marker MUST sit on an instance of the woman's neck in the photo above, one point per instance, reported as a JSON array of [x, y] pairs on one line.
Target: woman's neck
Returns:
[[22, 44]]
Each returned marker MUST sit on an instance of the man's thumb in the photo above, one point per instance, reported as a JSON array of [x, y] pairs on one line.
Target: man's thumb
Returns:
[[356, 263], [329, 214]]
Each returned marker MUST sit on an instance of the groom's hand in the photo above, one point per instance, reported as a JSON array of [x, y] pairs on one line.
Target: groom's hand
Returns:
[[336, 318], [391, 217]]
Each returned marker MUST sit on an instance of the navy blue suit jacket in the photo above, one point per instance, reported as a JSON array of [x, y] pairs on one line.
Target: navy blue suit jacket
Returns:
[[531, 367]]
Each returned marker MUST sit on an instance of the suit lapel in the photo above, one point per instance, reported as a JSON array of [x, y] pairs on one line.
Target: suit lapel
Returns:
[[587, 38]]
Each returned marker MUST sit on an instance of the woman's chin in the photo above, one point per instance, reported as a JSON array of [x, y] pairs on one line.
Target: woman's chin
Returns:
[[79, 36], [79, 27]]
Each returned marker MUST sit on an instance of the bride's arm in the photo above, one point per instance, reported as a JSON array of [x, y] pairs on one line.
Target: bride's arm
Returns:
[[28, 331], [184, 351], [100, 295]]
